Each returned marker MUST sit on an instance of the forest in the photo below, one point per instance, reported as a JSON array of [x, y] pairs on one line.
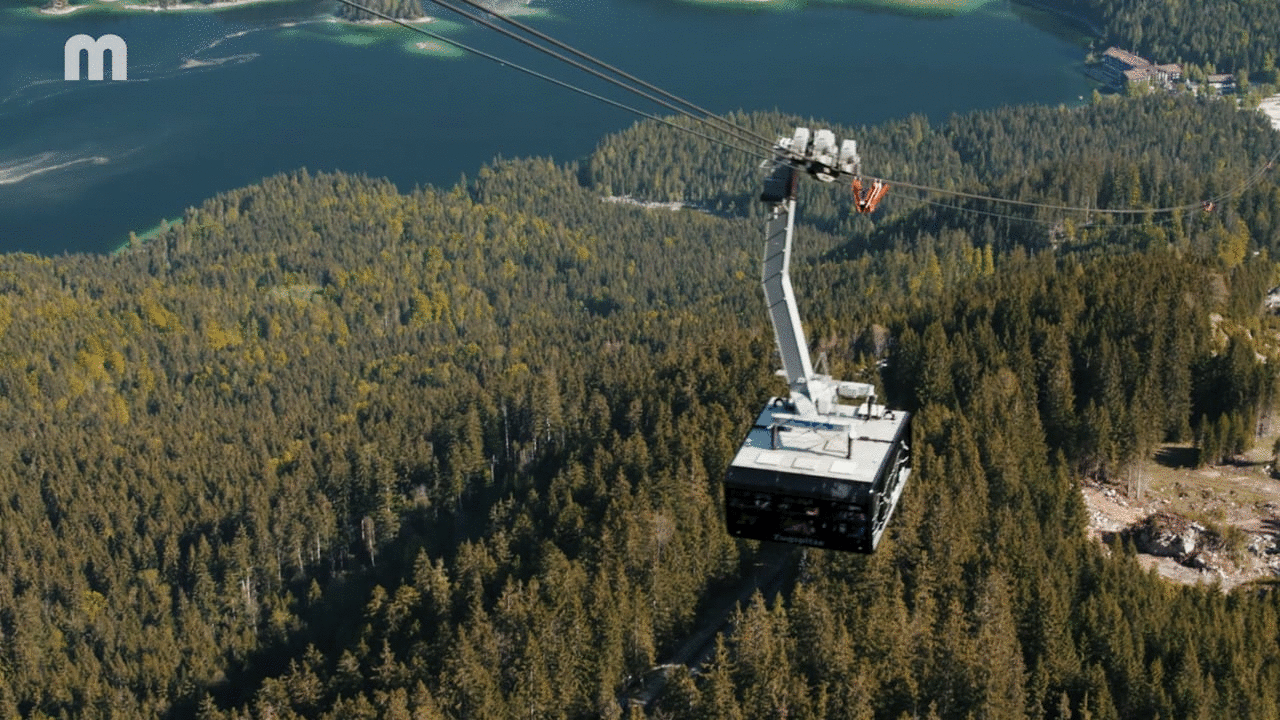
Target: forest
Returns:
[[330, 449], [1227, 36], [399, 9]]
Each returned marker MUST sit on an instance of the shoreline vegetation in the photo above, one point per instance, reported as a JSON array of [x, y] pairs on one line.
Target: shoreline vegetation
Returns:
[[61, 7], [399, 9], [66, 9], [948, 7], [339, 16], [135, 239]]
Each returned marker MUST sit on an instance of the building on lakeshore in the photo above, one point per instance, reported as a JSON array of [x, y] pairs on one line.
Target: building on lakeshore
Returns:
[[1222, 82], [1121, 68]]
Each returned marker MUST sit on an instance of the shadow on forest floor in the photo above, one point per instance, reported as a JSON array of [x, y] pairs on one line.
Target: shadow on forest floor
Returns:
[[1177, 457]]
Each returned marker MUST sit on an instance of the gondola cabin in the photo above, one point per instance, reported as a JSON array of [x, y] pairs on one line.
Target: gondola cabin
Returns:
[[830, 482]]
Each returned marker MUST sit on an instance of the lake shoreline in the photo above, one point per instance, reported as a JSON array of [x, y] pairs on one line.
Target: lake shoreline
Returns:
[[1066, 15], [907, 7], [424, 20], [140, 8], [195, 127]]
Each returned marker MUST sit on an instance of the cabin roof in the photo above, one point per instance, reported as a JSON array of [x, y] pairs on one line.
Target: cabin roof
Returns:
[[819, 446]]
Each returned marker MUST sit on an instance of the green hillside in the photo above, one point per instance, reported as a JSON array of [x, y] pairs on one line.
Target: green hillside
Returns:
[[327, 449]]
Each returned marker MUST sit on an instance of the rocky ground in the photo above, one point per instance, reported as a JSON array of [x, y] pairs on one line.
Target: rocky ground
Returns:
[[1218, 524], [1271, 106]]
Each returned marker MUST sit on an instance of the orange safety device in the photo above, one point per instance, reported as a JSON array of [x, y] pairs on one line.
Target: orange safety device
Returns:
[[866, 202]]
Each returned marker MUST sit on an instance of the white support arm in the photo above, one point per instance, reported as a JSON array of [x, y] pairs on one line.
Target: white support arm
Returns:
[[778, 295]]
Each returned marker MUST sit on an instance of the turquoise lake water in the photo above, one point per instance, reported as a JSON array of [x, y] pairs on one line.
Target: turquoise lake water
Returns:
[[216, 100]]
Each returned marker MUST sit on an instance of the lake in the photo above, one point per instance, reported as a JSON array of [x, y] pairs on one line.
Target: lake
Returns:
[[220, 99]]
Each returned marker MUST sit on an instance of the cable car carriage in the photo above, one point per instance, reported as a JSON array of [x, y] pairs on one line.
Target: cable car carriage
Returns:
[[814, 470]]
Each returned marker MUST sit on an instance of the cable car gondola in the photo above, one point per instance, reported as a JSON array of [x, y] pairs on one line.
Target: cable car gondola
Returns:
[[813, 470]]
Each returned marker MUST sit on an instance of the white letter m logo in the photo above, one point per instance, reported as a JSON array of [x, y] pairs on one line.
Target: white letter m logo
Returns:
[[96, 49]]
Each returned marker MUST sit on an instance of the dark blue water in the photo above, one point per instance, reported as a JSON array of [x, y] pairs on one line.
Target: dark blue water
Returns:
[[216, 100]]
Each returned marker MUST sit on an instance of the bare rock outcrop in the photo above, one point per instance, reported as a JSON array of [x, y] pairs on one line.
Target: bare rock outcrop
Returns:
[[1167, 535]]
